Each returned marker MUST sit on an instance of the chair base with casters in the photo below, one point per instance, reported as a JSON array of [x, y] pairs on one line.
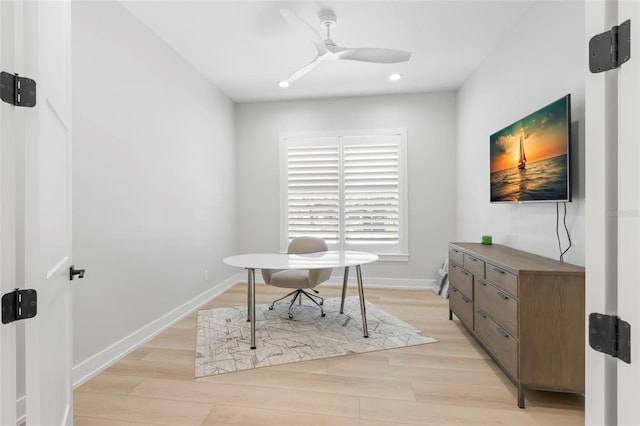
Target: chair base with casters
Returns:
[[300, 280], [297, 295]]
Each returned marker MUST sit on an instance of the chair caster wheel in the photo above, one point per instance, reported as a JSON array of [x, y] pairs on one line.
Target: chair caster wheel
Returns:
[[271, 308], [290, 316], [324, 314], [322, 302]]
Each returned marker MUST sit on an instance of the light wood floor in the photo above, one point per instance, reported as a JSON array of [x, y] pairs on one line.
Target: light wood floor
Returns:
[[452, 382]]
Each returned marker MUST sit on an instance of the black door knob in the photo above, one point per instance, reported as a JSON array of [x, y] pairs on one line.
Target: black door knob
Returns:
[[73, 271]]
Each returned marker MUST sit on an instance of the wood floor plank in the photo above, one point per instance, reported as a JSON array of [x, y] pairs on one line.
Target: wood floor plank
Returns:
[[421, 413], [106, 383], [228, 415], [249, 396], [470, 396], [422, 360], [157, 369], [452, 382], [376, 369], [184, 356], [130, 408], [92, 421], [328, 383]]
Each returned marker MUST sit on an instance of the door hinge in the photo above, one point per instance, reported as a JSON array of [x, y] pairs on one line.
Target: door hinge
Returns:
[[18, 91], [610, 49], [19, 304], [610, 335]]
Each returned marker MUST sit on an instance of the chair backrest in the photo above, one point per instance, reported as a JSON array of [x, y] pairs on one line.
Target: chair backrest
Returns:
[[304, 245]]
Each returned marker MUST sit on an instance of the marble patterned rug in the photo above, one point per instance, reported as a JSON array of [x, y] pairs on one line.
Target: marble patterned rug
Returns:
[[224, 335]]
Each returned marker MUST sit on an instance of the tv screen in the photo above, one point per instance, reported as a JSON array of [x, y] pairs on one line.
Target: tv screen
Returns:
[[530, 158]]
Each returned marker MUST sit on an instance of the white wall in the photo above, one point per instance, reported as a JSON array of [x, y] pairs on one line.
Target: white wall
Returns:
[[430, 122], [153, 178], [541, 60]]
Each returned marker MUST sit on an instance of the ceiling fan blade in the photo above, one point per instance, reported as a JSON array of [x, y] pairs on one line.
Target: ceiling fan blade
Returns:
[[302, 71], [313, 35], [371, 54]]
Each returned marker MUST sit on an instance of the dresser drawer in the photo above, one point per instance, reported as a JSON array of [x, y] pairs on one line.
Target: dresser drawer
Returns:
[[455, 255], [500, 306], [461, 279], [503, 346], [462, 306], [474, 265], [503, 279]]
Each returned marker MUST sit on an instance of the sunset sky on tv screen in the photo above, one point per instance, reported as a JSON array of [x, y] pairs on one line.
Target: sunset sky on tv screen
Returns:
[[544, 135]]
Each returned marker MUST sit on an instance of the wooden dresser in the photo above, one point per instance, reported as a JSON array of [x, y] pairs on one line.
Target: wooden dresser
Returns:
[[527, 311]]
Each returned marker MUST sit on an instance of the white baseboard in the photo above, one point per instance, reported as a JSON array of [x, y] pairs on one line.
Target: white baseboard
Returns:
[[89, 368], [21, 410]]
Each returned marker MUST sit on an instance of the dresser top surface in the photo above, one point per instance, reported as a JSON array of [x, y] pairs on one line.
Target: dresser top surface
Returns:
[[516, 260]]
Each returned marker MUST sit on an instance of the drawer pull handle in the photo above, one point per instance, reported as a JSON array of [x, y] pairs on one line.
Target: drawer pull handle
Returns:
[[466, 273], [499, 270], [455, 290], [504, 333], [504, 296], [482, 282], [466, 300], [473, 259], [455, 251], [482, 313]]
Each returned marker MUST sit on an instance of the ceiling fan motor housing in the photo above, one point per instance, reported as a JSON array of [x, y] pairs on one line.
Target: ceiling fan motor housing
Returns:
[[328, 19]]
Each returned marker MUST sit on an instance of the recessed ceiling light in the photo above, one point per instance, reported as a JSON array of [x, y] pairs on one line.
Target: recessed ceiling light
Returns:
[[395, 77], [283, 84]]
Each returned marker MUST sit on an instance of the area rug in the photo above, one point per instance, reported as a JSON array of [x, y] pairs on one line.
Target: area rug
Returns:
[[224, 335]]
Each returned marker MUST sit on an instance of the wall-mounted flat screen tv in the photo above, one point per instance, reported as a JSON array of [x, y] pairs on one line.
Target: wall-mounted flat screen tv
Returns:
[[530, 158]]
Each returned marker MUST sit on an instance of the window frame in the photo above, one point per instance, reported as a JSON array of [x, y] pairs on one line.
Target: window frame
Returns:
[[398, 252]]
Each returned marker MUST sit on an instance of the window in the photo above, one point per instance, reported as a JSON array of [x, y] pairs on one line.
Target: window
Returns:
[[347, 188]]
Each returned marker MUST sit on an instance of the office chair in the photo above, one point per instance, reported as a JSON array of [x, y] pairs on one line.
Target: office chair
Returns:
[[300, 279]]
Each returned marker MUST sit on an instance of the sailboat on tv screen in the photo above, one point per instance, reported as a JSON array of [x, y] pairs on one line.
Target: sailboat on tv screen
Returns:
[[522, 160]]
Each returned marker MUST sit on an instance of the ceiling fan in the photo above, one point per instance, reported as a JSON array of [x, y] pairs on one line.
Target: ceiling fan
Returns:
[[327, 50]]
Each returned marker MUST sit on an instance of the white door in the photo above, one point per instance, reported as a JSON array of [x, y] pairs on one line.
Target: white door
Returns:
[[48, 213], [8, 118], [612, 127], [628, 407]]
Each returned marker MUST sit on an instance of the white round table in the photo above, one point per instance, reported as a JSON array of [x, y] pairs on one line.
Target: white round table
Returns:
[[321, 260]]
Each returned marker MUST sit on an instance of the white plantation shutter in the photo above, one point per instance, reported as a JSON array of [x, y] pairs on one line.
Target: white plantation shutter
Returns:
[[371, 191], [313, 187], [347, 189]]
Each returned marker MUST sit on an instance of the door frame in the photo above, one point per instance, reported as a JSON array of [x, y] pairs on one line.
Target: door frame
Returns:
[[608, 400], [628, 292], [601, 244], [11, 119]]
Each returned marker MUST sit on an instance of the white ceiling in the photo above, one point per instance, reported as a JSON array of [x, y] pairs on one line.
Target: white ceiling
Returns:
[[246, 47]]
